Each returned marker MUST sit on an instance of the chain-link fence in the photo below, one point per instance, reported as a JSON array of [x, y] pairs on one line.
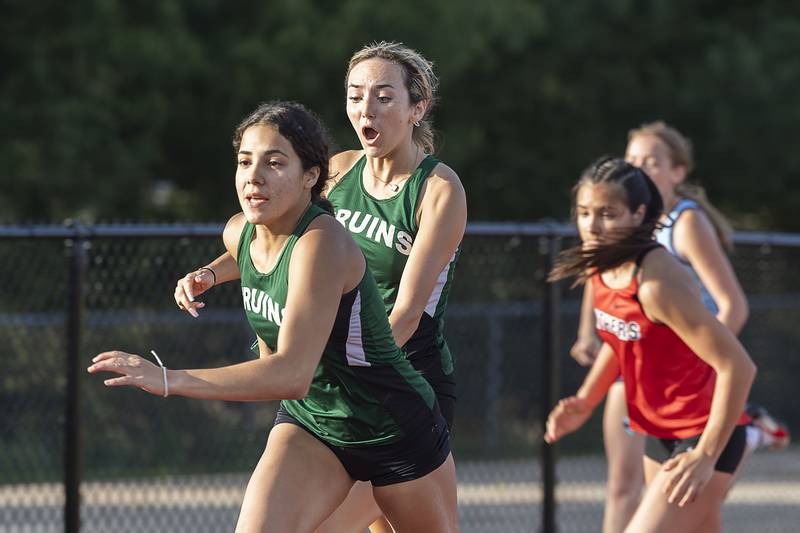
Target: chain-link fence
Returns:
[[73, 454]]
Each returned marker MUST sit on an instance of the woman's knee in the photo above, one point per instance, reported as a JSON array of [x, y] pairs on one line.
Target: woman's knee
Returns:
[[625, 489]]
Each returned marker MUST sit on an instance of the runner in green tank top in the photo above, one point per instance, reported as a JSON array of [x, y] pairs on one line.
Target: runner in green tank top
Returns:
[[354, 408], [406, 210], [385, 230], [341, 392]]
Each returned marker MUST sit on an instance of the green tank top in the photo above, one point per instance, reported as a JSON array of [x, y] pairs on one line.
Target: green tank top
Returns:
[[385, 231], [364, 391]]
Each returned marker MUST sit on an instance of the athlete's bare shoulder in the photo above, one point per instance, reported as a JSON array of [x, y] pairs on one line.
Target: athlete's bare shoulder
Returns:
[[444, 180], [326, 238], [661, 271], [443, 188], [232, 232], [340, 164], [443, 172]]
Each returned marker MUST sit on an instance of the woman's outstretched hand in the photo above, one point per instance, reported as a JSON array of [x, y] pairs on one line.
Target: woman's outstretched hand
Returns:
[[567, 416], [134, 371]]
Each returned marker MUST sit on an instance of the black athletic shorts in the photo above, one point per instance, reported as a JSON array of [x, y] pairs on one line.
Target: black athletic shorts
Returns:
[[660, 450], [444, 387], [423, 352], [412, 457]]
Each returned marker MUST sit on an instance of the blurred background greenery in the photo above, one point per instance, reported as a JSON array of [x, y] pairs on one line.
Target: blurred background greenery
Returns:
[[123, 111]]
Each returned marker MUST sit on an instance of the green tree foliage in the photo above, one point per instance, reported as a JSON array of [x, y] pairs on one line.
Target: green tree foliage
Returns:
[[124, 110]]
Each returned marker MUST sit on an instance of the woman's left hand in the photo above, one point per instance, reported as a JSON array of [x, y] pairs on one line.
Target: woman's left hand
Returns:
[[134, 371], [567, 416], [688, 474]]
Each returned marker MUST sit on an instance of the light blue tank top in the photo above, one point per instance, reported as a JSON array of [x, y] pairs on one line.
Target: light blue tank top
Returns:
[[664, 237]]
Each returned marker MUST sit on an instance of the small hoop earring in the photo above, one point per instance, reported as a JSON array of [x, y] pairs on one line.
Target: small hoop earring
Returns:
[[416, 124]]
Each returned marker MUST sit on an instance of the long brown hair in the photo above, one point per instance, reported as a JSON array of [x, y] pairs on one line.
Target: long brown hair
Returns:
[[680, 153], [637, 189]]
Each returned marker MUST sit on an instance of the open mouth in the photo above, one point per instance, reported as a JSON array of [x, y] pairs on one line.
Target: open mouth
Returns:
[[255, 200], [369, 133]]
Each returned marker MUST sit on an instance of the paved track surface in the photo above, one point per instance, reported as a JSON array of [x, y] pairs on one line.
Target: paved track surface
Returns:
[[498, 496]]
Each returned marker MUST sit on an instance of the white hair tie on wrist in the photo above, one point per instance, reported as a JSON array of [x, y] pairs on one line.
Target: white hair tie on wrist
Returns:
[[163, 372]]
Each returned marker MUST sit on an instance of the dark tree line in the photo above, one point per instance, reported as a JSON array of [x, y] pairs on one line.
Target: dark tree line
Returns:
[[116, 110]]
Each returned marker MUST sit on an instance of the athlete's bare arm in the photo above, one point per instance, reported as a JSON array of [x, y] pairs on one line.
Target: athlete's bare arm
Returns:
[[585, 348], [224, 269], [442, 218], [307, 324], [668, 296], [572, 412], [696, 241]]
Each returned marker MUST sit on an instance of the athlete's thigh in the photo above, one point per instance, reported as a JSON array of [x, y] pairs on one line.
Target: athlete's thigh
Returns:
[[356, 513], [655, 514], [427, 504], [296, 484], [651, 469], [624, 450]]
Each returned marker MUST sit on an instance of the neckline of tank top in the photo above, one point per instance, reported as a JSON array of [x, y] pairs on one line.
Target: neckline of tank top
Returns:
[[280, 252], [632, 284], [397, 189], [678, 207]]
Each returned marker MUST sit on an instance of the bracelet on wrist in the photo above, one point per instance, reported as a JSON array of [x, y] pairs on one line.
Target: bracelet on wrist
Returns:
[[163, 373], [213, 274]]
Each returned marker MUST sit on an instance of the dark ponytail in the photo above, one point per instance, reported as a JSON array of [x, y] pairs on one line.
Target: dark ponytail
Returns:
[[304, 130], [638, 189]]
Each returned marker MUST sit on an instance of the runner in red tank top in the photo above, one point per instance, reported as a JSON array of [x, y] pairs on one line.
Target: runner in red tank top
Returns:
[[669, 387], [686, 375]]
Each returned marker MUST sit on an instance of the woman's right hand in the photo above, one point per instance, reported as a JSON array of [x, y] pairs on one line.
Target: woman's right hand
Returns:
[[567, 416], [134, 371], [190, 286], [584, 351], [689, 473]]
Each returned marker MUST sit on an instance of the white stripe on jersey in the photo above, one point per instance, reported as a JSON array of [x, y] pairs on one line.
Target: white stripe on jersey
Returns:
[[433, 301], [354, 347]]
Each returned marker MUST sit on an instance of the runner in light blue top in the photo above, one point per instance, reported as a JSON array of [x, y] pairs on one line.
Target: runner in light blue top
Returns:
[[665, 235]]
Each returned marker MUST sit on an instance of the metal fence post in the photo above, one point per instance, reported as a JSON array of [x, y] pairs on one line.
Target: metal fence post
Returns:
[[551, 325], [77, 251]]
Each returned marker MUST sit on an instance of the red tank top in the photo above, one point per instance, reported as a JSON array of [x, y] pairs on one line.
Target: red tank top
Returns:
[[668, 389]]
